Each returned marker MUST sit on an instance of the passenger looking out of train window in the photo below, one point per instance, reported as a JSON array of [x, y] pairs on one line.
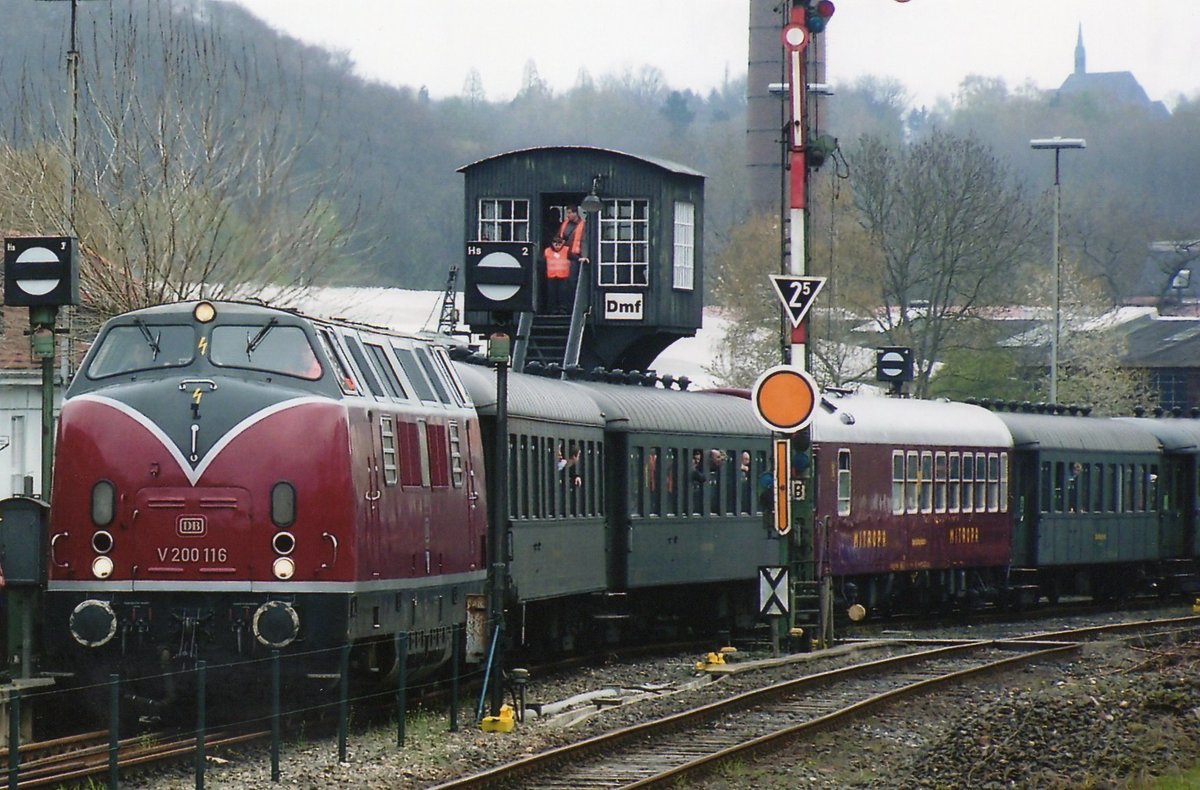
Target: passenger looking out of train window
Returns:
[[716, 461], [745, 482], [569, 467], [558, 276], [1073, 488]]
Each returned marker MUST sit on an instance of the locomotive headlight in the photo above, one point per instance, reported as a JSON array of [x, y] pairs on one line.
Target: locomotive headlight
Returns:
[[283, 568], [102, 541], [204, 312], [102, 567], [284, 543]]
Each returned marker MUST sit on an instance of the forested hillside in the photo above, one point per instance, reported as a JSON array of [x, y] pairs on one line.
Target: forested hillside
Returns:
[[261, 132]]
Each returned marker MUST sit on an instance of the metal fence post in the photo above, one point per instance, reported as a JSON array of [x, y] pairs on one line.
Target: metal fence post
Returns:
[[201, 712], [114, 728], [401, 686], [274, 715]]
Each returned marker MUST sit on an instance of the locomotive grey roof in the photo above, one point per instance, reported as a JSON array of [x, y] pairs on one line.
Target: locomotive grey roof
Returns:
[[1176, 435], [1061, 432], [530, 397], [635, 408], [901, 421], [665, 164]]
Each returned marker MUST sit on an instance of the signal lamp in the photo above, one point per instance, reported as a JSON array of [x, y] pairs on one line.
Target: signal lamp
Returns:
[[818, 15], [284, 543], [102, 541]]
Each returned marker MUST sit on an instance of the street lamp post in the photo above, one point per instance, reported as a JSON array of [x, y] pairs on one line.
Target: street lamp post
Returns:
[[1057, 144]]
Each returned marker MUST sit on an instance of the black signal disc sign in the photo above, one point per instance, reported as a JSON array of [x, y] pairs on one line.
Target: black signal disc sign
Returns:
[[40, 271]]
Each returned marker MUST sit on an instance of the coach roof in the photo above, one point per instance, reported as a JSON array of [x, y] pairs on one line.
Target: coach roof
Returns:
[[903, 421], [1062, 432]]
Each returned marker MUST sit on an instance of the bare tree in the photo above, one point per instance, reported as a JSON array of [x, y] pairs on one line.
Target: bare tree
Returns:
[[190, 167], [951, 226]]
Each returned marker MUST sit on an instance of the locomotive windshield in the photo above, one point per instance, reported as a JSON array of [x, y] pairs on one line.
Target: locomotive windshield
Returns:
[[266, 347], [141, 346]]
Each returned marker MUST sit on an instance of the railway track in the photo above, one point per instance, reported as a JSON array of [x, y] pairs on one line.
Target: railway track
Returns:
[[688, 744], [78, 757]]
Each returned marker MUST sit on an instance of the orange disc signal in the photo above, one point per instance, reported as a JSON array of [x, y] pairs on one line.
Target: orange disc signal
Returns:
[[784, 398]]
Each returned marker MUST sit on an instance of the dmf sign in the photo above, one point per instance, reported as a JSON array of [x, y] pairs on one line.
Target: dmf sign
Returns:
[[623, 307]]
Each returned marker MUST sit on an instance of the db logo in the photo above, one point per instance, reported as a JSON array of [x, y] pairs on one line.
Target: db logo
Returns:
[[191, 526]]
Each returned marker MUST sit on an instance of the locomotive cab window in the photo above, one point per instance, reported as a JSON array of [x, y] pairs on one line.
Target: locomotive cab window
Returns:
[[269, 348], [142, 346]]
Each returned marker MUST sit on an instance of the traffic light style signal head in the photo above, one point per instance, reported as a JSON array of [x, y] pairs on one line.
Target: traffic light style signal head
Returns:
[[818, 15]]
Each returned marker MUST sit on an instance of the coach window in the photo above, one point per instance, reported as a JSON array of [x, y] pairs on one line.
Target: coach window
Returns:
[[637, 481], [1152, 488], [952, 481], [993, 483], [514, 496], [733, 480], [672, 475], [391, 382], [981, 471], [925, 484], [968, 482], [912, 481], [653, 482], [1004, 482], [761, 468], [939, 482], [1127, 488], [843, 482], [897, 482]]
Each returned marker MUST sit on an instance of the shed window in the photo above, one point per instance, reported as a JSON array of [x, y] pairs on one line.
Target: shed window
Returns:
[[624, 242], [503, 220], [685, 246]]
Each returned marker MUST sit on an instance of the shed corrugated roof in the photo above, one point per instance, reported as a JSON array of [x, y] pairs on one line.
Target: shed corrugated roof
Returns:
[[665, 164]]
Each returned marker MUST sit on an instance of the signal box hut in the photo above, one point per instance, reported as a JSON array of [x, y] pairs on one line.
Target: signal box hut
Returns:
[[640, 288]]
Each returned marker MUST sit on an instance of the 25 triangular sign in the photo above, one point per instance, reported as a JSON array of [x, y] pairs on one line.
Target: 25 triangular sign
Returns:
[[797, 294]]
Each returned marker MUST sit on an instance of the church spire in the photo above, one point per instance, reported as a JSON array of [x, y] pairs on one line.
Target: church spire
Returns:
[[1080, 55]]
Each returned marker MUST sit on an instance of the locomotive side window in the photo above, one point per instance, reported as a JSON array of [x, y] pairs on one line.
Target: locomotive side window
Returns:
[[897, 482], [952, 482], [391, 381], [412, 369], [443, 364], [423, 445], [425, 359], [269, 348], [127, 349], [360, 358], [843, 482], [333, 351], [387, 436], [438, 453]]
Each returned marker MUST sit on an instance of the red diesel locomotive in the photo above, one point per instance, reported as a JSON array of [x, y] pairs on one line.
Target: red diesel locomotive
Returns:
[[232, 479]]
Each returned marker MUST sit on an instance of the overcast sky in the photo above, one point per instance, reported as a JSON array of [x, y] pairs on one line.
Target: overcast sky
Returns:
[[929, 45]]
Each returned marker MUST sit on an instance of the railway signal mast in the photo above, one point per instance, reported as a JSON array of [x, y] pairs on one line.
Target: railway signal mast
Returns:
[[800, 549]]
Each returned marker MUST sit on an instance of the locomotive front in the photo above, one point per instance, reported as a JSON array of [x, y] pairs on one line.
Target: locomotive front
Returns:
[[200, 484]]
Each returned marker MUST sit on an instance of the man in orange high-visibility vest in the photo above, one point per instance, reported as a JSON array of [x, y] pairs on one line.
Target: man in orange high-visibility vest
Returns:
[[558, 275]]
